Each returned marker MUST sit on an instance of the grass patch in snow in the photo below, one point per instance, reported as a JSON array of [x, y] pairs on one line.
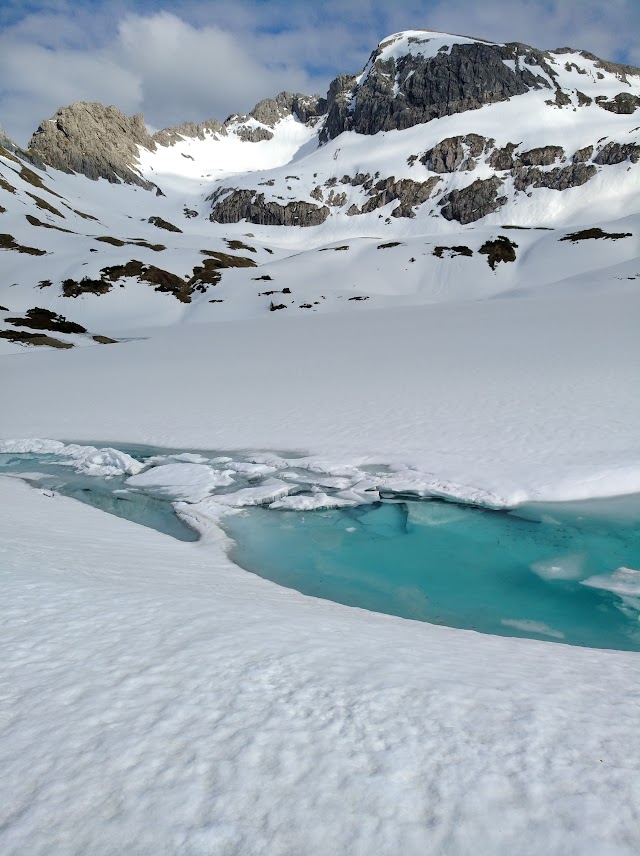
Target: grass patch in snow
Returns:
[[500, 250], [35, 222], [42, 203], [6, 186], [8, 242], [118, 242], [43, 319], [234, 244], [389, 244], [595, 234], [453, 251], [73, 288], [24, 338], [160, 223]]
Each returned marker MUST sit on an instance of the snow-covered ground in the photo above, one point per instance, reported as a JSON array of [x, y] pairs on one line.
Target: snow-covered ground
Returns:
[[498, 400], [159, 700]]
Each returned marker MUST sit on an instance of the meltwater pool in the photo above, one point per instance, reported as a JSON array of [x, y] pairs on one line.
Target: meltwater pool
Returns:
[[563, 572]]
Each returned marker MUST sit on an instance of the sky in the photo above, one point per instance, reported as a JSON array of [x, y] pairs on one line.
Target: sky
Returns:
[[192, 61]]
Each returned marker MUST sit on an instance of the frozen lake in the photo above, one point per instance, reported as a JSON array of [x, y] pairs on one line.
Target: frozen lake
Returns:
[[563, 572]]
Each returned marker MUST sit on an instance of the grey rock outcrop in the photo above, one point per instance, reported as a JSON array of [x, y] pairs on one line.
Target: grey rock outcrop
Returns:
[[400, 93], [474, 201], [614, 153], [94, 140], [250, 134], [192, 130], [542, 156], [623, 103], [455, 153], [410, 194], [502, 159], [560, 178], [304, 107], [583, 155], [339, 99], [250, 205]]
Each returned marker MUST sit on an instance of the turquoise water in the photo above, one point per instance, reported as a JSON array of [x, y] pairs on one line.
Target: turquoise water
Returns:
[[517, 573], [458, 566], [110, 495]]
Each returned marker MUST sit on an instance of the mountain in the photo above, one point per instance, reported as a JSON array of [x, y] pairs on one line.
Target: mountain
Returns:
[[450, 168]]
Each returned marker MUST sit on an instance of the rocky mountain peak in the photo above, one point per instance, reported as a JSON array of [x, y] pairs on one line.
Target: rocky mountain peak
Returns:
[[419, 75], [94, 140]]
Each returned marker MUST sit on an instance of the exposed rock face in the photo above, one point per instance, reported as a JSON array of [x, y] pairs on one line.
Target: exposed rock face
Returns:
[[304, 107], [397, 94], [339, 98], [583, 155], [251, 206], [543, 156], [474, 201], [409, 193], [502, 159], [455, 153], [249, 134], [614, 153], [199, 131], [97, 141], [561, 178], [623, 102]]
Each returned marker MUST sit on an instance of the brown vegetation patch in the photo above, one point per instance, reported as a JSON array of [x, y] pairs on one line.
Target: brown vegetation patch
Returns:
[[595, 234], [6, 186], [73, 288], [35, 222], [43, 319], [6, 154], [234, 244], [500, 250], [34, 180], [336, 249], [138, 242], [25, 338], [453, 251], [104, 340], [85, 216], [7, 242], [389, 244], [163, 224], [42, 203]]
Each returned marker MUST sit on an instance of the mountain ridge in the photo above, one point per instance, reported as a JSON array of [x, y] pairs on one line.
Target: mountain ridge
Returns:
[[180, 218]]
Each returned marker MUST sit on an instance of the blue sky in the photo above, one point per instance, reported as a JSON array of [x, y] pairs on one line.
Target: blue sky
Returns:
[[195, 60]]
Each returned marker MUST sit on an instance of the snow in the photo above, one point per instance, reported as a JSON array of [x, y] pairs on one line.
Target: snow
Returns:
[[495, 401], [184, 482], [158, 699]]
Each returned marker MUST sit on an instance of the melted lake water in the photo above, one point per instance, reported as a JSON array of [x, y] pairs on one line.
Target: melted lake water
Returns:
[[457, 565], [518, 573]]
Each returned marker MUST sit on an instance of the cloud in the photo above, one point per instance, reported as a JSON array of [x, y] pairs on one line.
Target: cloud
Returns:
[[195, 60]]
